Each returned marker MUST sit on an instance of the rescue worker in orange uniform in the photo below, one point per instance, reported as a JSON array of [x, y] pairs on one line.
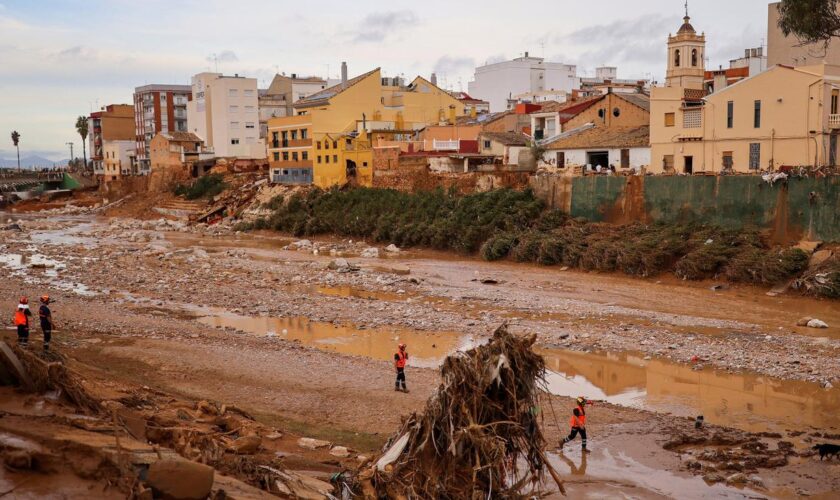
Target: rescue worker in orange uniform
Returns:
[[22, 315], [578, 425], [400, 360]]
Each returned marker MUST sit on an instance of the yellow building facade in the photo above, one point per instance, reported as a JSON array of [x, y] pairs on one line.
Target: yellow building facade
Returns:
[[341, 120], [783, 117]]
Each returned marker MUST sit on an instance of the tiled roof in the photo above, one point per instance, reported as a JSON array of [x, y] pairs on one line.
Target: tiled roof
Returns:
[[181, 137], [604, 137], [324, 96], [506, 138], [640, 100]]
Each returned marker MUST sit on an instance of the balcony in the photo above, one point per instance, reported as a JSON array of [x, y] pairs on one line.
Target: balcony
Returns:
[[834, 121], [453, 145]]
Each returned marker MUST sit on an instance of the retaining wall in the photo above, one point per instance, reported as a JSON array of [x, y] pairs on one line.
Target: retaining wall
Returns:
[[790, 211]]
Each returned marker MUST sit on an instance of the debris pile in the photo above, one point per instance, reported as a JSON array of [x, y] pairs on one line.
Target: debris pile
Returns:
[[479, 435], [822, 280]]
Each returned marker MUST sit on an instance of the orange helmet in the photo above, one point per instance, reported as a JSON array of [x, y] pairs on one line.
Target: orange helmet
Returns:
[[45, 299], [24, 300]]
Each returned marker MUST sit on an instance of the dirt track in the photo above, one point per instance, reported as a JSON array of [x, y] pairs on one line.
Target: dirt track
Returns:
[[144, 317]]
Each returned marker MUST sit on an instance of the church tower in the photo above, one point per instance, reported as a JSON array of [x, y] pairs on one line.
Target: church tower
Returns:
[[686, 57]]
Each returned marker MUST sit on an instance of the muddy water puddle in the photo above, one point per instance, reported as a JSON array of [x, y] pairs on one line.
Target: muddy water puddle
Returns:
[[608, 474], [745, 401], [427, 350]]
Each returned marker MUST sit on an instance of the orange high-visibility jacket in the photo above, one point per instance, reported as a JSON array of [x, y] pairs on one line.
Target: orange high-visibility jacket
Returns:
[[402, 357], [576, 422], [20, 318]]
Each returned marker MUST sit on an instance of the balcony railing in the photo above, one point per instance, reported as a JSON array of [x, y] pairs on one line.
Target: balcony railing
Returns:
[[452, 145], [834, 121]]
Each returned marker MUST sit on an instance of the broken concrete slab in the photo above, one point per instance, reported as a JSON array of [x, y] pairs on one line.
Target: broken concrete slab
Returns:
[[809, 247], [340, 452]]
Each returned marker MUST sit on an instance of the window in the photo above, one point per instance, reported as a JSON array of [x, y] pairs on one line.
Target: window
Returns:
[[692, 118], [318, 145], [326, 144], [319, 159], [248, 92], [249, 109], [364, 164], [670, 118], [233, 92], [625, 158], [233, 108], [486, 144], [276, 156], [295, 156], [234, 141], [335, 158], [755, 156], [835, 95], [757, 115], [561, 159], [249, 124], [668, 162], [727, 160], [294, 135], [677, 58], [234, 125], [285, 156], [616, 112], [303, 133], [285, 136], [335, 144], [304, 156], [730, 114], [327, 159], [694, 57]]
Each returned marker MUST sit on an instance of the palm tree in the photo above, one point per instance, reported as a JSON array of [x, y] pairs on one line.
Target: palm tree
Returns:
[[82, 129], [16, 142]]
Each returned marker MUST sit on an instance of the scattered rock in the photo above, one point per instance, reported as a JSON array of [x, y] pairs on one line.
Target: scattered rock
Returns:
[[808, 247], [804, 321], [736, 479], [815, 323], [392, 248], [181, 479], [340, 452], [246, 445], [312, 444], [370, 253]]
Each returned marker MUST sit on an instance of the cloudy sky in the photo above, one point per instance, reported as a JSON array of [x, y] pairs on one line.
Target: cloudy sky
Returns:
[[63, 58]]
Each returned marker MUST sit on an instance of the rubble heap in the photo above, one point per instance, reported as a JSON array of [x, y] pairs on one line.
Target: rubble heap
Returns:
[[479, 435]]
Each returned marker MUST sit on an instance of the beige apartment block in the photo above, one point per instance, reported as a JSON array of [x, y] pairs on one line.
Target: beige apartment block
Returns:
[[782, 117], [224, 113]]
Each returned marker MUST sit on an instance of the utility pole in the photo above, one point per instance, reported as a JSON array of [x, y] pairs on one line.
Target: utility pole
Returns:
[[71, 153]]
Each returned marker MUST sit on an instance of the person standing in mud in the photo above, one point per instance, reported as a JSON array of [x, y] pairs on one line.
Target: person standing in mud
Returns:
[[400, 360], [45, 315], [22, 315], [578, 426]]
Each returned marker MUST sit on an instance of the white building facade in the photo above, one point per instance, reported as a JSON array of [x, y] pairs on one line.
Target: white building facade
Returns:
[[224, 113], [500, 83]]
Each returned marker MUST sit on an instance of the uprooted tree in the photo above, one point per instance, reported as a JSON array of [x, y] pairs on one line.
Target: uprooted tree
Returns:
[[479, 435]]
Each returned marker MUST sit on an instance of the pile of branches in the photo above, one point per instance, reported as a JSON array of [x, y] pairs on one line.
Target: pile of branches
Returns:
[[48, 372], [821, 281], [479, 435]]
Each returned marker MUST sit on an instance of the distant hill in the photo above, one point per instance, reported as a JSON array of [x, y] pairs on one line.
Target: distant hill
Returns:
[[31, 162]]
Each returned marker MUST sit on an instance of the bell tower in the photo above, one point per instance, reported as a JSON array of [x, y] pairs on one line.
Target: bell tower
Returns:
[[686, 57]]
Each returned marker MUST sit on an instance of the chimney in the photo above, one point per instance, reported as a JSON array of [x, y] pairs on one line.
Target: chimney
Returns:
[[452, 114], [344, 72], [434, 79], [526, 53]]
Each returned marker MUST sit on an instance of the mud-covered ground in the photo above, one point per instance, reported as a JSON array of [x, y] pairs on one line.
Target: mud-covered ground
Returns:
[[301, 339]]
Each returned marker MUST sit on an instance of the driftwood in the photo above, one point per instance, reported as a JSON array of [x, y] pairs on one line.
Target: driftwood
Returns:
[[479, 435]]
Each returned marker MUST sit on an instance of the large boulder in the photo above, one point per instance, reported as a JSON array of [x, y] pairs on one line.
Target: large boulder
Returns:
[[181, 479]]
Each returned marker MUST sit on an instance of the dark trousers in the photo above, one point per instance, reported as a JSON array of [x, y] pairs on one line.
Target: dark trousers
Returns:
[[400, 378], [23, 334], [574, 433], [47, 329]]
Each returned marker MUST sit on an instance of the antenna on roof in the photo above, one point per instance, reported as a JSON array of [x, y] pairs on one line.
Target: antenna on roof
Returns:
[[686, 8]]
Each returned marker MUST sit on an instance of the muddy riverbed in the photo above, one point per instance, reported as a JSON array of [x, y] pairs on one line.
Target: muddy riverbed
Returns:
[[296, 336]]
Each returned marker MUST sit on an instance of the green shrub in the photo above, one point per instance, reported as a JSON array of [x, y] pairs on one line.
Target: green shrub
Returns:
[[206, 186]]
